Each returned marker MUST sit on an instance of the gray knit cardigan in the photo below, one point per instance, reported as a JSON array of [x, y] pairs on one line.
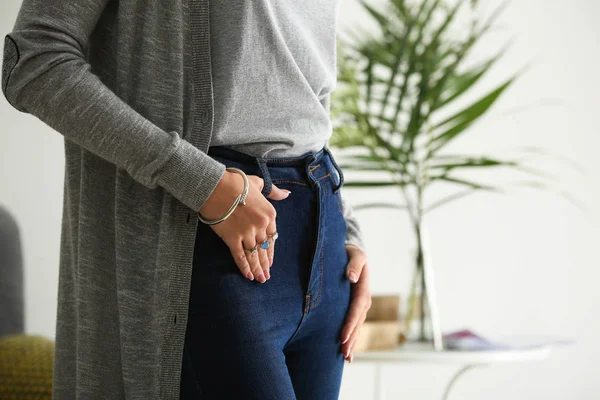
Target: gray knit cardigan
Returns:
[[128, 85]]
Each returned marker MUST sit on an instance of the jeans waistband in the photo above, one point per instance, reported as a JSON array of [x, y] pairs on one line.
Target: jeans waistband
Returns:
[[308, 161]]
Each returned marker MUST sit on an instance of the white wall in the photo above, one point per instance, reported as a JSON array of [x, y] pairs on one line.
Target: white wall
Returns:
[[523, 263], [31, 184]]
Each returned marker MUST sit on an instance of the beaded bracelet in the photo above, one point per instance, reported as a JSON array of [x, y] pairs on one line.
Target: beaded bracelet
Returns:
[[240, 199]]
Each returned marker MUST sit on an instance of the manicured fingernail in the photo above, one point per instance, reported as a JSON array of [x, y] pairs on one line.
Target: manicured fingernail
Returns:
[[351, 357], [261, 278], [346, 339], [250, 276], [267, 274], [352, 277]]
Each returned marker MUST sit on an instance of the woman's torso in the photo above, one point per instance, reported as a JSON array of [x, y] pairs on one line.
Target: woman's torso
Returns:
[[273, 66]]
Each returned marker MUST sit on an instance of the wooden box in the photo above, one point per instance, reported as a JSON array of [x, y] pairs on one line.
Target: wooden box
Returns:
[[382, 327], [384, 308], [377, 335]]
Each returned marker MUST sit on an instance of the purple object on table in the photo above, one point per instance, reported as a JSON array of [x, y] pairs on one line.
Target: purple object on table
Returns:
[[468, 340]]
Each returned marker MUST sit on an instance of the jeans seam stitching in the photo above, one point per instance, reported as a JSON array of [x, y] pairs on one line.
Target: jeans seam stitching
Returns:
[[318, 296], [324, 176], [287, 181], [271, 160], [306, 307]]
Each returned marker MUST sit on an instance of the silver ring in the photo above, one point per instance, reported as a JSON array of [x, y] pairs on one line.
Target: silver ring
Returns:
[[274, 235], [253, 250]]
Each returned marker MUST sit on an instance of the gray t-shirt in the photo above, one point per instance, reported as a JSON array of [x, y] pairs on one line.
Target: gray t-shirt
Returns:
[[274, 67]]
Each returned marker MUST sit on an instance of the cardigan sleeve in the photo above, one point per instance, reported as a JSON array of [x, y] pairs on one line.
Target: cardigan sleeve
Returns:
[[354, 235], [45, 73]]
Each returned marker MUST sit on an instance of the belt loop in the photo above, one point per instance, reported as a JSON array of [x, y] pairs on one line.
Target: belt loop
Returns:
[[262, 164], [309, 161], [337, 167]]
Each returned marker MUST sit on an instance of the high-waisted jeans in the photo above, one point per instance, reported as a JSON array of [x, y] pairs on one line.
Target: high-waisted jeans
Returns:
[[278, 340]]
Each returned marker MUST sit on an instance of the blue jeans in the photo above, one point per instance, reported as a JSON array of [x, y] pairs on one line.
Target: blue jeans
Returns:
[[278, 340]]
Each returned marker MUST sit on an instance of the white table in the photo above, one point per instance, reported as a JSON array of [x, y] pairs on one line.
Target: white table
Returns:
[[465, 360]]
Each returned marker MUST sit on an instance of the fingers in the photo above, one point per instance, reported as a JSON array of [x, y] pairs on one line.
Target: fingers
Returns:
[[358, 306], [356, 263], [239, 255], [253, 258], [277, 193], [355, 319], [266, 255], [264, 259], [250, 264], [349, 345], [271, 229], [256, 180], [248, 228]]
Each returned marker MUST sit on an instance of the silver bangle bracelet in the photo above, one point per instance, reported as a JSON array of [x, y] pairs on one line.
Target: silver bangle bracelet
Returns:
[[240, 199]]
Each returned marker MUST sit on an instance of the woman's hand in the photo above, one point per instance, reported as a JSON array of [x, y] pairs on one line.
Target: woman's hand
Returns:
[[248, 225], [358, 273]]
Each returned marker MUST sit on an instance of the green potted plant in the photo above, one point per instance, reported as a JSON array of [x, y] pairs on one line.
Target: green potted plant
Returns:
[[394, 100]]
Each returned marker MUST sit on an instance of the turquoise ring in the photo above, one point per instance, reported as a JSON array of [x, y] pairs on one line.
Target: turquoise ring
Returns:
[[265, 245]]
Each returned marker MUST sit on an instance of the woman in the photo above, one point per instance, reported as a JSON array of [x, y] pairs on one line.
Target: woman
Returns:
[[171, 111]]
